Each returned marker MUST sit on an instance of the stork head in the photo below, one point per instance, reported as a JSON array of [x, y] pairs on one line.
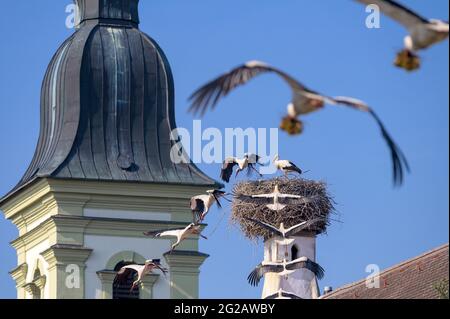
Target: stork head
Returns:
[[291, 125], [276, 158]]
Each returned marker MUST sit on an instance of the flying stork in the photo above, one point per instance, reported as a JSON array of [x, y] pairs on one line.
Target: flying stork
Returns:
[[286, 166], [281, 294], [304, 101], [423, 32], [180, 233], [272, 200], [284, 268], [201, 204], [140, 270], [248, 162], [285, 233]]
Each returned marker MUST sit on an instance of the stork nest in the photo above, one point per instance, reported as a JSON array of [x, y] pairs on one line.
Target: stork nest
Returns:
[[320, 208]]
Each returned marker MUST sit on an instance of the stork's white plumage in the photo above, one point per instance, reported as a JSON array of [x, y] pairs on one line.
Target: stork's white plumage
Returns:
[[140, 270], [248, 162], [276, 195], [286, 233], [284, 268], [179, 233], [286, 166], [201, 204], [303, 101], [423, 32]]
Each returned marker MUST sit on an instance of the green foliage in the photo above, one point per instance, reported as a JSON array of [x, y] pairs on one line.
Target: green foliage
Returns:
[[442, 289]]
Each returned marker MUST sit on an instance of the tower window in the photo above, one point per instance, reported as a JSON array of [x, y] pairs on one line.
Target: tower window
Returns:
[[294, 252], [123, 290]]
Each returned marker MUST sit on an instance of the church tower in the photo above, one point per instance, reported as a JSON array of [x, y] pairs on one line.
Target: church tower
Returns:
[[102, 172]]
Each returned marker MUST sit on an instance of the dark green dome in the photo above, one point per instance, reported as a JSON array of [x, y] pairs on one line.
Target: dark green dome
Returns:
[[107, 105]]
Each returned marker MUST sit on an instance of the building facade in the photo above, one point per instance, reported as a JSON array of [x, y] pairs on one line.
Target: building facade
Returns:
[[103, 173]]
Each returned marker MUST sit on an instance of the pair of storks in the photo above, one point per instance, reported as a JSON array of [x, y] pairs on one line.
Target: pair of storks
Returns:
[[423, 33], [250, 161]]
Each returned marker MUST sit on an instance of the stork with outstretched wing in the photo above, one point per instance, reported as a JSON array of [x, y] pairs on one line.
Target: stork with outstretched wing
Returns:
[[304, 101], [140, 270], [248, 162], [284, 268], [276, 200], [285, 233], [179, 233], [201, 204], [423, 32]]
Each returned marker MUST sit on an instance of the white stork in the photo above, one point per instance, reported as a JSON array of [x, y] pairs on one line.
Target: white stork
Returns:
[[284, 268], [285, 233], [303, 101], [180, 233], [248, 162], [286, 166], [423, 33], [140, 270], [272, 200], [201, 204], [281, 294]]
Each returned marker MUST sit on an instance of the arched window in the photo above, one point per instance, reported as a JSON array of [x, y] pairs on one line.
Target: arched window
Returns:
[[123, 290], [294, 252]]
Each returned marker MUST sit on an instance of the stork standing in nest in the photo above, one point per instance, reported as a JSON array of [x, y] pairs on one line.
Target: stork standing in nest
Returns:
[[284, 268], [423, 33], [201, 204], [286, 166], [140, 270], [304, 101], [179, 233], [248, 162]]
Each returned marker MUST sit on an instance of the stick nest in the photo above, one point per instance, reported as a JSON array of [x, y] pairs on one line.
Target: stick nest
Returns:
[[321, 207]]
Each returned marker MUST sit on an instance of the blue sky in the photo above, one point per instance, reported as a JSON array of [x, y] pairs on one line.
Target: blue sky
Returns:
[[326, 45]]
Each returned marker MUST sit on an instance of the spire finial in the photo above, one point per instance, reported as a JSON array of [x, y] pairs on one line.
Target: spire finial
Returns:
[[119, 10]]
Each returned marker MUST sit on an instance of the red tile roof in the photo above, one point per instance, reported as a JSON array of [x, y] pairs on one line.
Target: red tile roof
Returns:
[[413, 279]]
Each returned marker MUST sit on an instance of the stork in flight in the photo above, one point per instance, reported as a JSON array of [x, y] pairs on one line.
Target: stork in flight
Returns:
[[286, 166], [284, 268], [180, 233], [272, 200], [140, 270], [248, 162], [281, 294], [423, 32], [304, 101], [201, 204], [285, 233]]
